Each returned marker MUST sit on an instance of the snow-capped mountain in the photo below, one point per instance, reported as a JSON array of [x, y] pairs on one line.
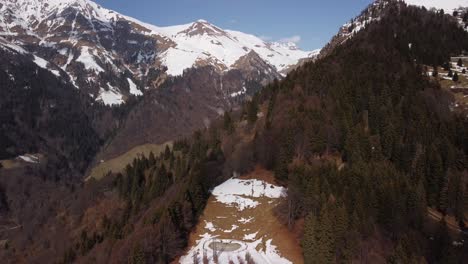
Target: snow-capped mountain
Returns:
[[110, 56], [202, 42]]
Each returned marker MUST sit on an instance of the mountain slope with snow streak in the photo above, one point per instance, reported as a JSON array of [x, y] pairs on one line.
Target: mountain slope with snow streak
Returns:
[[373, 14]]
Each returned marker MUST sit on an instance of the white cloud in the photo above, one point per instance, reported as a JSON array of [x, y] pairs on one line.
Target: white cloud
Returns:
[[293, 39]]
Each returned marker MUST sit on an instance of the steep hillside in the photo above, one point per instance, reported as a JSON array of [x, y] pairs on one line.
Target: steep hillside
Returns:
[[365, 143], [377, 8], [42, 113], [182, 105]]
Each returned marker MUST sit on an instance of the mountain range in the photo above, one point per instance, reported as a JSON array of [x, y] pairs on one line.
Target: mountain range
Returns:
[[110, 56]]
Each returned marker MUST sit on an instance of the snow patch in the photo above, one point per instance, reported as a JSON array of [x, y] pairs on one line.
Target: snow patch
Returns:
[[29, 158], [43, 64], [210, 226], [235, 255], [233, 227], [250, 236], [112, 96], [87, 58], [133, 88]]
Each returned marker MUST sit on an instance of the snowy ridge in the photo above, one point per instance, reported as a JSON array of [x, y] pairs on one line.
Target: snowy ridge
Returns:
[[80, 34], [195, 41], [447, 5], [201, 41]]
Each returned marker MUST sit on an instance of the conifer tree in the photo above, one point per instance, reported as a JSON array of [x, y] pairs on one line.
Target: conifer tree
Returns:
[[325, 241], [228, 123], [309, 240], [435, 73], [252, 109], [455, 77], [151, 159]]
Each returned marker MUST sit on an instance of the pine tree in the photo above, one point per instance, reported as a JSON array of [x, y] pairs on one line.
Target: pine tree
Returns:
[[340, 223], [435, 176], [228, 123], [309, 240], [443, 197], [252, 109], [460, 63], [435, 73], [441, 242], [455, 77], [151, 159], [325, 241], [167, 153]]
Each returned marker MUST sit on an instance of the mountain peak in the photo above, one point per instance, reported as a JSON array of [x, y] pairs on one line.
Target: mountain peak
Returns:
[[203, 27]]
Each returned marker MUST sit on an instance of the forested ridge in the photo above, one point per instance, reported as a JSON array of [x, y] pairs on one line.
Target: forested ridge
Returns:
[[369, 105]]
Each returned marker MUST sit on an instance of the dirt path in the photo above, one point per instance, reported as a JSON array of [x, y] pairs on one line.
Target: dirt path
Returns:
[[239, 216], [450, 220]]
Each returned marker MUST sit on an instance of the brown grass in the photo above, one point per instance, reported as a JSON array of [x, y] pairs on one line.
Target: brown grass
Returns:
[[263, 221], [118, 164]]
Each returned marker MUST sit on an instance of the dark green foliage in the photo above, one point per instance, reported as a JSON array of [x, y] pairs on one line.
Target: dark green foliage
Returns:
[[182, 176], [460, 63], [435, 73], [252, 110], [455, 77], [46, 114], [369, 103]]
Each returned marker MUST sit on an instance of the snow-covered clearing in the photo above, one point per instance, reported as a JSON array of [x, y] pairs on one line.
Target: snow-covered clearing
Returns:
[[239, 193], [239, 222]]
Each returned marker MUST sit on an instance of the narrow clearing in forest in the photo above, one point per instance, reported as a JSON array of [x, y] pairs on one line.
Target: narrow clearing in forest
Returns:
[[239, 223]]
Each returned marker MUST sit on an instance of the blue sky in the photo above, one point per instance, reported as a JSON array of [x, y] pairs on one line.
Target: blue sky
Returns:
[[310, 23]]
